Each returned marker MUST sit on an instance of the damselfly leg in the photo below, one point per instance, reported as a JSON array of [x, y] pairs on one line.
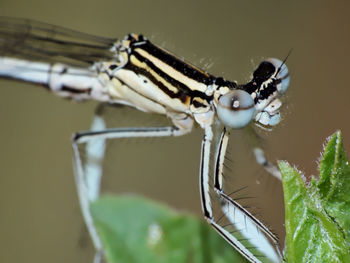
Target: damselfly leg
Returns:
[[250, 227], [88, 175], [255, 143], [267, 165]]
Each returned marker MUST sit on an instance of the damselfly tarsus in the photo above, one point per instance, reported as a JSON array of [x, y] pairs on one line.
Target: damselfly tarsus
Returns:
[[137, 73]]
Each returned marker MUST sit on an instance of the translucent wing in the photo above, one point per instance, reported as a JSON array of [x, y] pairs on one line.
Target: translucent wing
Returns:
[[31, 40]]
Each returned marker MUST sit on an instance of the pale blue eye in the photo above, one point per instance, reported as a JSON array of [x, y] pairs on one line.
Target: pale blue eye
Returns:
[[236, 109], [283, 75]]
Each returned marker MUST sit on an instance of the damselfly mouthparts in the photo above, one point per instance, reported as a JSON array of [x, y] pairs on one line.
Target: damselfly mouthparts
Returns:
[[137, 73]]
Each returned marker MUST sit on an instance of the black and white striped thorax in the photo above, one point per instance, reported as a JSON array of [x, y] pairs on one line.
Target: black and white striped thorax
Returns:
[[162, 77]]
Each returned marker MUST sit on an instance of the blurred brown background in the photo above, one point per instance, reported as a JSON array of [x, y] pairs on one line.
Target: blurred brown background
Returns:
[[40, 219]]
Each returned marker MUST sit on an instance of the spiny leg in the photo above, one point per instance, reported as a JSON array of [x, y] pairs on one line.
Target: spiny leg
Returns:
[[88, 177], [242, 219], [260, 155], [268, 166], [205, 198]]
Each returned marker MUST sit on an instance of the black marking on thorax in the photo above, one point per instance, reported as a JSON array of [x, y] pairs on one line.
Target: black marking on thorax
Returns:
[[183, 91]]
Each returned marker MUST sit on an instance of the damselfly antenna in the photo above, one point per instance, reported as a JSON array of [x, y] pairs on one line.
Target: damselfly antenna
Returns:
[[283, 62]]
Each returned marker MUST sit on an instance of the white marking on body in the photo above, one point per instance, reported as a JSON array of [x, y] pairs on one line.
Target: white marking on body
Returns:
[[273, 107], [35, 72], [193, 84], [126, 95], [150, 90]]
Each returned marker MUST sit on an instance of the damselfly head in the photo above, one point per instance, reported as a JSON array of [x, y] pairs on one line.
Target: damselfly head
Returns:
[[257, 100], [272, 80]]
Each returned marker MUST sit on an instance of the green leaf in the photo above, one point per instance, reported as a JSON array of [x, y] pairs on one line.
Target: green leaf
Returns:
[[134, 229], [317, 217], [334, 183]]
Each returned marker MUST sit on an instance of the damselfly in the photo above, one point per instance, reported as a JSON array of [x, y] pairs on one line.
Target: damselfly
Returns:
[[134, 72]]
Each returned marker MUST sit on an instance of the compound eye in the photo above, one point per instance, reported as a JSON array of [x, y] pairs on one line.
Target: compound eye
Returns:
[[236, 109], [264, 71], [282, 75]]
